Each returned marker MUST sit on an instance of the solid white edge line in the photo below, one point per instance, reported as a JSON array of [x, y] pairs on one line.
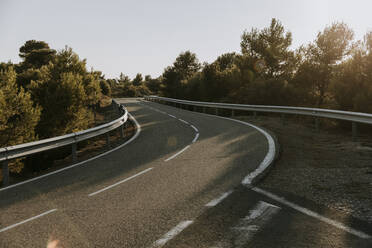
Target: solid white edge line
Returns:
[[195, 138], [214, 202], [172, 233], [265, 163], [313, 214], [186, 147], [24, 221], [120, 182], [178, 153], [138, 130], [196, 130], [183, 121]]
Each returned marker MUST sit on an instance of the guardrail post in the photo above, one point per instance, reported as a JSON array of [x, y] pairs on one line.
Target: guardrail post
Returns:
[[108, 145], [5, 173], [122, 131], [203, 109], [232, 113], [317, 124], [216, 111], [282, 119], [255, 114], [73, 152], [354, 130]]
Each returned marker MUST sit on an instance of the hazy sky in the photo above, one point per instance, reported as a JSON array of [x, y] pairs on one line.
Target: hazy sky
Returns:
[[146, 36]]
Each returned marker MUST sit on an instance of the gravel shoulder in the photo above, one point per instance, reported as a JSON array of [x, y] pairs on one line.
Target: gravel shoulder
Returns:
[[325, 167]]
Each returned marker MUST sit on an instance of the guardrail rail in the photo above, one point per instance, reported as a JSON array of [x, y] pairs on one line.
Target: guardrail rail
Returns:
[[354, 117], [22, 150]]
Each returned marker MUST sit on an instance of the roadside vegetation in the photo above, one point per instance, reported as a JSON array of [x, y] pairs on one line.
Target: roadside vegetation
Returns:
[[49, 93], [334, 71]]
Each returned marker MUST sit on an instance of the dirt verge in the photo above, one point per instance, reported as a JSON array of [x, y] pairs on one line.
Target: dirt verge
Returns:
[[326, 167]]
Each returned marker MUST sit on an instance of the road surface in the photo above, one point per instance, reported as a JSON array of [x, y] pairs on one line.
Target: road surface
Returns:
[[177, 184]]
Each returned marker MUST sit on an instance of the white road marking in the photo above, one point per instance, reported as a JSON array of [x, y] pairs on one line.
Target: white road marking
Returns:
[[192, 126], [30, 219], [264, 165], [313, 214], [252, 223], [196, 130], [247, 227], [138, 130], [269, 158], [172, 233], [178, 153], [120, 182], [214, 202], [183, 121], [195, 138]]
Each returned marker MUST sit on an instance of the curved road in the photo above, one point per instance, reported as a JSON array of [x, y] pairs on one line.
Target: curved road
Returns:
[[178, 184]]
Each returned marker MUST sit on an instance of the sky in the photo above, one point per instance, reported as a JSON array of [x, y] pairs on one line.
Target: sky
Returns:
[[146, 36]]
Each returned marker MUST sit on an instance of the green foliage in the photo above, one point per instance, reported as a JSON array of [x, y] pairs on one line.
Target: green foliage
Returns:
[[18, 115], [175, 77], [322, 57], [137, 81], [352, 83], [105, 87], [65, 90], [35, 54], [270, 48]]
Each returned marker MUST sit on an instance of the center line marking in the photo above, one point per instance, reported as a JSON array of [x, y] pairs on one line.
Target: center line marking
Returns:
[[313, 214], [172, 116], [30, 219], [122, 181], [172, 233], [214, 202]]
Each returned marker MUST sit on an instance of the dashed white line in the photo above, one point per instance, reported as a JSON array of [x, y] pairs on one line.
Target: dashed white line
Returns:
[[178, 153], [187, 123], [30, 219], [138, 131], [120, 182], [172, 233], [313, 214], [214, 202]]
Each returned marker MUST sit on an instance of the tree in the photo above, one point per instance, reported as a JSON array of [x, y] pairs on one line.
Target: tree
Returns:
[[105, 87], [65, 90], [175, 77], [352, 83], [323, 56], [153, 84], [18, 115], [270, 49], [35, 54], [137, 81]]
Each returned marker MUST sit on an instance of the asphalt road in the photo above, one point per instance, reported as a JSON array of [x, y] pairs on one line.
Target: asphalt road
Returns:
[[178, 184]]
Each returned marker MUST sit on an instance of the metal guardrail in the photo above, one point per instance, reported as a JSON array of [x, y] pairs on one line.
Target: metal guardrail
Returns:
[[354, 117], [22, 150]]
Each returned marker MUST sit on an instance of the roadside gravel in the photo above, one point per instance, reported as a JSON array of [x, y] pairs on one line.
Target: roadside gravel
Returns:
[[325, 167]]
